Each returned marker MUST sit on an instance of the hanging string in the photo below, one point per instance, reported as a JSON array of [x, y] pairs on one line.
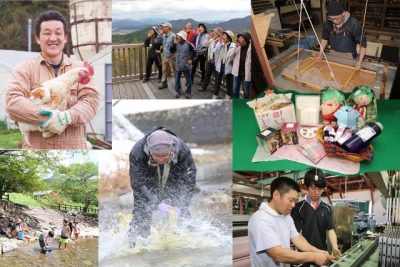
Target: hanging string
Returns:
[[298, 39], [304, 28], [323, 52], [362, 29]]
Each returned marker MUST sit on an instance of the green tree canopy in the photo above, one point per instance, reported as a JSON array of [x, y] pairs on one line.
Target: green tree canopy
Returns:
[[21, 171], [79, 182]]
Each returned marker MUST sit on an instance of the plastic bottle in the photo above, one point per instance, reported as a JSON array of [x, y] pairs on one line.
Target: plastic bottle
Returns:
[[363, 137]]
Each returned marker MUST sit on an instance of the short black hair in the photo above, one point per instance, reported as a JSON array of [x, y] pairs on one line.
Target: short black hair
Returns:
[[315, 177], [204, 26], [284, 185], [51, 233], [50, 15]]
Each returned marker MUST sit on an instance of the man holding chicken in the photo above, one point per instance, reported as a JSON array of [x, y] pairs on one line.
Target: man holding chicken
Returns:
[[67, 126]]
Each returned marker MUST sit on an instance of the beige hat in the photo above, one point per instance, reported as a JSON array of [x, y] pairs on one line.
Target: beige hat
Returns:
[[229, 33], [182, 34], [166, 24], [218, 30], [159, 143]]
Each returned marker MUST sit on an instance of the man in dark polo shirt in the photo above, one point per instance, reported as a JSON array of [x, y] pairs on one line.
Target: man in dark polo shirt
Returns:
[[343, 33], [314, 218]]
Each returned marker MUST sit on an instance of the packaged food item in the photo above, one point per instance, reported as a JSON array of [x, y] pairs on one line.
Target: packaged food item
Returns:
[[289, 133], [312, 149], [270, 140], [273, 110]]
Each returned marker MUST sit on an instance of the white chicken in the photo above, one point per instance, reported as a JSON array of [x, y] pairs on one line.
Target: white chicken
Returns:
[[54, 94]]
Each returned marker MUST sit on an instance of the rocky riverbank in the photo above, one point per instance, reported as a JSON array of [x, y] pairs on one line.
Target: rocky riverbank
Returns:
[[36, 219]]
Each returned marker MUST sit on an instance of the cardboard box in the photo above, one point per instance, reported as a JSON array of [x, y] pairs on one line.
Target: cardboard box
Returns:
[[273, 110], [289, 133], [270, 140], [307, 109]]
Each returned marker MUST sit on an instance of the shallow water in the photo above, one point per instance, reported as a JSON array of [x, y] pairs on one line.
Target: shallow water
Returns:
[[83, 252], [203, 240]]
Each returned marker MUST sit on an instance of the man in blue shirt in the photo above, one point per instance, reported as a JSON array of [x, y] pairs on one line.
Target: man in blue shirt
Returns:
[[168, 62]]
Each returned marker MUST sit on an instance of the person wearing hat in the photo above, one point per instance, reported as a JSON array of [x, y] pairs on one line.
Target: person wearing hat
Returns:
[[201, 44], [312, 217], [19, 229], [224, 64], [163, 175], [271, 231], [184, 56], [188, 28], [213, 42], [343, 33], [241, 69], [154, 42], [168, 50]]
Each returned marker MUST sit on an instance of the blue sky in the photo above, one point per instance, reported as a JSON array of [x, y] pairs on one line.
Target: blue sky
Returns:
[[203, 10], [78, 157]]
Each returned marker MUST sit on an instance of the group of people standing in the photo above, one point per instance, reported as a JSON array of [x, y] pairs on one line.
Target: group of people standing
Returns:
[[217, 54]]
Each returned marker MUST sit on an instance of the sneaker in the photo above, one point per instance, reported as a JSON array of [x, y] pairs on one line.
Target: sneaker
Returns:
[[227, 97], [177, 95], [214, 97], [188, 96], [163, 85], [145, 80], [159, 80]]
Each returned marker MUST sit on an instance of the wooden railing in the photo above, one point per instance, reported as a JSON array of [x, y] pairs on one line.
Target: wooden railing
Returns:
[[129, 62], [5, 197], [66, 207]]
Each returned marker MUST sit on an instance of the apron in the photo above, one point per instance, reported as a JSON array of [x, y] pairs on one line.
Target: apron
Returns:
[[342, 43]]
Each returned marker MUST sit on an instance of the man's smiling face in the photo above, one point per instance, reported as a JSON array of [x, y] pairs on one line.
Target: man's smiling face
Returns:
[[52, 39]]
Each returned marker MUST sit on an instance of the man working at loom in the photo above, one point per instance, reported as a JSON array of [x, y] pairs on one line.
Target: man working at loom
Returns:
[[343, 32]]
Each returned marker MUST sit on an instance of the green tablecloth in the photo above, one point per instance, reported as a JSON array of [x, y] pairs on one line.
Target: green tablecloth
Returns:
[[245, 128]]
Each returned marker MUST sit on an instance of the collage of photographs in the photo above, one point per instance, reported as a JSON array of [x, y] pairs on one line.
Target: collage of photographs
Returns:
[[231, 133]]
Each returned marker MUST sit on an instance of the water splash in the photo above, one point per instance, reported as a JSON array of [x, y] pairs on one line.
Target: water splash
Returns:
[[172, 242]]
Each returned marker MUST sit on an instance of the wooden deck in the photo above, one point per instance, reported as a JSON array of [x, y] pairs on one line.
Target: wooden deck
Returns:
[[135, 89]]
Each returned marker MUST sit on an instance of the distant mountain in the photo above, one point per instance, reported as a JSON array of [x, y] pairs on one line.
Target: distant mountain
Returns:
[[123, 24], [215, 21], [236, 25]]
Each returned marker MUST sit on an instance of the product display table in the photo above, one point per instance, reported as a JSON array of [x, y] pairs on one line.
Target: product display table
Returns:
[[245, 128]]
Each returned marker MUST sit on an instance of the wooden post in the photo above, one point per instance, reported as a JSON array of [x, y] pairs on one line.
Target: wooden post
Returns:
[[259, 29], [140, 63]]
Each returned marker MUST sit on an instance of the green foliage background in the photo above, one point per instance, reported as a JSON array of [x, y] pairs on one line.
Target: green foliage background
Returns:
[[14, 17]]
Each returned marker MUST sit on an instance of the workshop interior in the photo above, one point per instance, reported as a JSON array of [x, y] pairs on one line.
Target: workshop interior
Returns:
[[366, 211]]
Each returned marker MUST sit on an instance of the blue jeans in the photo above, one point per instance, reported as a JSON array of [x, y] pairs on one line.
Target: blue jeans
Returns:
[[186, 73], [237, 81]]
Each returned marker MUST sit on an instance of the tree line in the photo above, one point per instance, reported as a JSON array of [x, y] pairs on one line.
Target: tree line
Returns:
[[24, 172]]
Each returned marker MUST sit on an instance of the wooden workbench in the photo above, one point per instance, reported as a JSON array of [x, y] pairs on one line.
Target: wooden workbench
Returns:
[[276, 42]]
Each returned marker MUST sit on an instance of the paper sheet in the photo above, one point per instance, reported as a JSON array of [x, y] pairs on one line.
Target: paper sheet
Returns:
[[290, 152]]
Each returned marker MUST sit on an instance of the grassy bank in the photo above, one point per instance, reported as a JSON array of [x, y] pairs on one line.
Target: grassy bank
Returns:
[[9, 139], [24, 199]]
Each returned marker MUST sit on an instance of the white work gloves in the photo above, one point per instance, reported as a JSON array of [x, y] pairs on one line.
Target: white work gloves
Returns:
[[57, 121]]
